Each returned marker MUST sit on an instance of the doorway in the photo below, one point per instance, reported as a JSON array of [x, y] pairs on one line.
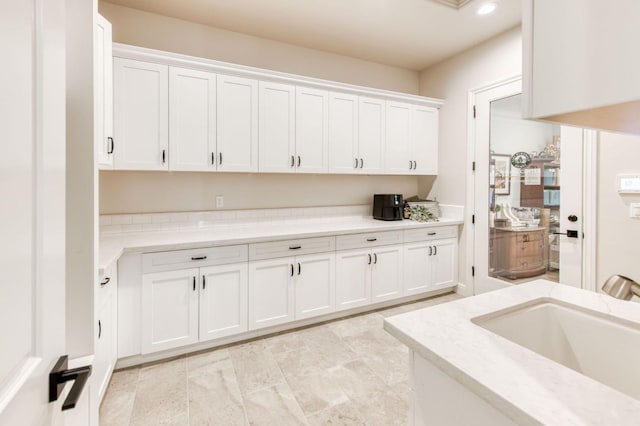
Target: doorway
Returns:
[[526, 194]]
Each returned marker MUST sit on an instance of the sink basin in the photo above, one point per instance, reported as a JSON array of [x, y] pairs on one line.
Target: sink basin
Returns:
[[603, 348]]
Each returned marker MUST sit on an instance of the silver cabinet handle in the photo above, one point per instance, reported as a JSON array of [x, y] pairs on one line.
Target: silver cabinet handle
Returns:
[[410, 165], [435, 250], [291, 269], [164, 156], [299, 268], [375, 258], [430, 250], [361, 163], [299, 161], [356, 165], [105, 282], [293, 161], [369, 259], [220, 156]]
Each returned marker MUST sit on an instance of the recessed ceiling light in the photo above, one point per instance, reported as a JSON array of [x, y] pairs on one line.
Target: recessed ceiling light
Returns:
[[486, 8]]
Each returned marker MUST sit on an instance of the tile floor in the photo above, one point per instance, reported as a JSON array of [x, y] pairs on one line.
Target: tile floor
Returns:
[[344, 372]]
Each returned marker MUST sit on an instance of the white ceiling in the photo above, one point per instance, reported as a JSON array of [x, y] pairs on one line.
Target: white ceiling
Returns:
[[412, 34]]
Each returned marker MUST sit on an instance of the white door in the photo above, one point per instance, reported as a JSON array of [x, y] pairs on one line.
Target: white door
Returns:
[[528, 175], [344, 156], [386, 273], [271, 292], [192, 120], [140, 97], [312, 139], [371, 134], [353, 278], [276, 125], [237, 124], [314, 284], [103, 93], [424, 140], [169, 309], [397, 140], [32, 294], [223, 300]]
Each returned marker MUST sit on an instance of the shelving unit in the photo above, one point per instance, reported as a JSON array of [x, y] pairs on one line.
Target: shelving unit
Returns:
[[545, 195]]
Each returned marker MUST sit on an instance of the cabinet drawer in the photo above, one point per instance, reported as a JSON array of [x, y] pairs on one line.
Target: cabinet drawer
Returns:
[[193, 258], [527, 263], [425, 234], [371, 239], [532, 248], [275, 249], [525, 237]]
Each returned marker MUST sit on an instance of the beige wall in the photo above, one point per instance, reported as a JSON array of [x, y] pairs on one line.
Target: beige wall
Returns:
[[154, 31], [451, 80], [145, 192], [618, 235], [131, 192]]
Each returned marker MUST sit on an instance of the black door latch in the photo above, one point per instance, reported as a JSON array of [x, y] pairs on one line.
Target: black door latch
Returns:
[[60, 374]]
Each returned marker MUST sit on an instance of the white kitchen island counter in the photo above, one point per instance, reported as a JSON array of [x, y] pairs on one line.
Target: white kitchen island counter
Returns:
[[509, 381], [112, 246]]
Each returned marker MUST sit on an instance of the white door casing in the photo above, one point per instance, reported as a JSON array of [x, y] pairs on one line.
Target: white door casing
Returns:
[[575, 184], [32, 297]]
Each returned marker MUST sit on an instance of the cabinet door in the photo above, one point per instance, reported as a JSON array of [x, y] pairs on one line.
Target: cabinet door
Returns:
[[444, 264], [386, 273], [105, 343], [424, 140], [371, 137], [343, 133], [103, 92], [417, 267], [192, 120], [169, 309], [276, 127], [312, 141], [397, 140], [237, 124], [353, 278], [223, 300], [141, 91], [271, 293], [315, 284]]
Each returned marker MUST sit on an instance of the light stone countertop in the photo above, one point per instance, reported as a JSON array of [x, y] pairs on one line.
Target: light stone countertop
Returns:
[[112, 246], [527, 387]]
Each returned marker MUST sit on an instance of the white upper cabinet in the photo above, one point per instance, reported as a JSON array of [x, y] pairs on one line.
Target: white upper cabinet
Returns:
[[411, 139], [344, 156], [237, 124], [581, 63], [277, 127], [192, 120], [424, 139], [103, 93], [312, 139], [140, 115], [371, 134], [398, 136]]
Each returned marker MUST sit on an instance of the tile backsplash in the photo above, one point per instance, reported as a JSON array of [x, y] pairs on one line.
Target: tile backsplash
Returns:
[[188, 220]]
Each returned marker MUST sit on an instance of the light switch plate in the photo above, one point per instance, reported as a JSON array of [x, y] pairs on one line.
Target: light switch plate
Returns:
[[634, 210], [219, 201]]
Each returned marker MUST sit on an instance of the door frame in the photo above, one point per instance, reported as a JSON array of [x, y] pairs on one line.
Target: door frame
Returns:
[[589, 202]]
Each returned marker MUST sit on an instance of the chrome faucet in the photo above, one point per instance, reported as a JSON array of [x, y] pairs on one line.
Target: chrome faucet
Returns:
[[621, 287]]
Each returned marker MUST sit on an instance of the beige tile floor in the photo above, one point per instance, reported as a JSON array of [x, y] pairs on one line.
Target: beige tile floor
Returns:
[[344, 372]]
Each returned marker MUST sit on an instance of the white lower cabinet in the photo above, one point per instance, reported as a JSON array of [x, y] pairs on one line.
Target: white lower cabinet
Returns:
[[106, 333], [430, 265], [365, 276], [169, 309], [223, 300], [191, 305], [289, 288]]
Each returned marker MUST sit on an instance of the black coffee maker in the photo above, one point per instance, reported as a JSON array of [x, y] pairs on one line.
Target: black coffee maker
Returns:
[[387, 206]]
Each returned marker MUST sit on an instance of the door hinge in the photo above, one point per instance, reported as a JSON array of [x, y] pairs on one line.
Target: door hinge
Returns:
[[473, 166], [474, 111], [473, 271], [473, 219]]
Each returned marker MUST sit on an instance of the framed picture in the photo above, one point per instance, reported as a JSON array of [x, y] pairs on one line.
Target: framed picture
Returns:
[[501, 178]]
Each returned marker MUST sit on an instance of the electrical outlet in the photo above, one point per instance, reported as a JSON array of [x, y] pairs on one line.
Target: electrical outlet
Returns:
[[219, 201]]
